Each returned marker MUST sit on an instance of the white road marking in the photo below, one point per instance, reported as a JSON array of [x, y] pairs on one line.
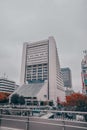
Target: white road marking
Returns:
[[8, 128], [46, 123]]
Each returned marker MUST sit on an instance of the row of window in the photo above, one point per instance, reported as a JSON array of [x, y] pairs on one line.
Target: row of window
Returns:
[[7, 85], [37, 69], [37, 66], [45, 49], [35, 72], [38, 44], [45, 78], [38, 59], [30, 55], [34, 76], [4, 88], [5, 82], [37, 62], [9, 91]]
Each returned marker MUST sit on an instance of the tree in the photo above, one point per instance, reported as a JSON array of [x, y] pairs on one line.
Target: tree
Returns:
[[21, 100], [4, 97], [76, 101], [15, 99]]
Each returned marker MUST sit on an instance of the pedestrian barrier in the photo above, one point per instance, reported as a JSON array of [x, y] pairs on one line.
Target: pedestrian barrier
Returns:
[[63, 120]]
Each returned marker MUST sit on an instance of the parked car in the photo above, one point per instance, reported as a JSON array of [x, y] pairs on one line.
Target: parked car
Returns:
[[69, 115], [79, 117]]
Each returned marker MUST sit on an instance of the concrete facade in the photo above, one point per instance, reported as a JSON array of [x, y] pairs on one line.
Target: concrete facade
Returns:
[[40, 62], [7, 86], [84, 73], [67, 79]]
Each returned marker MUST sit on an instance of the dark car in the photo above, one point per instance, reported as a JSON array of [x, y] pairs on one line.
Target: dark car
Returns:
[[69, 115]]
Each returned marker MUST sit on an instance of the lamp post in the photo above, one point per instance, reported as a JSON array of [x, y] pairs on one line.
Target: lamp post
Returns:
[[27, 123]]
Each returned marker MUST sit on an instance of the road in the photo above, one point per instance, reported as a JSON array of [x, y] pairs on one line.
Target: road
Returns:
[[7, 128], [39, 123]]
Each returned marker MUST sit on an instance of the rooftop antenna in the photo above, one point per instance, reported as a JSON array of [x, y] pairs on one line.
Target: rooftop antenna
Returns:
[[4, 75], [7, 77]]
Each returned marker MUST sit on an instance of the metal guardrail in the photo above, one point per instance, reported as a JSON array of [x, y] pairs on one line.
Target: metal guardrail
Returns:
[[28, 119]]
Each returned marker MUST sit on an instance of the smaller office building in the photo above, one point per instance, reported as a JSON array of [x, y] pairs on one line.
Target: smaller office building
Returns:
[[7, 86], [66, 74], [67, 80]]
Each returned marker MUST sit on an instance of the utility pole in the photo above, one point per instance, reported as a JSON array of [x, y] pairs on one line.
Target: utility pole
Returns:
[[27, 123], [63, 121], [0, 116]]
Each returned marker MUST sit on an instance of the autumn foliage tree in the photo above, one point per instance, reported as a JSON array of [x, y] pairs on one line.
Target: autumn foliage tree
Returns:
[[76, 101], [3, 97]]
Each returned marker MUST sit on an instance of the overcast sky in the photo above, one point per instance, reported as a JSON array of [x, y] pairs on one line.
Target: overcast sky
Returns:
[[33, 20]]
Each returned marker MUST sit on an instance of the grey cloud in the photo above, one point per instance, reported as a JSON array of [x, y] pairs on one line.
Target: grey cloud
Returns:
[[31, 20]]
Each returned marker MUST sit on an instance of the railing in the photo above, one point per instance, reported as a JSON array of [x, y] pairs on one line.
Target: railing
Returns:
[[28, 119]]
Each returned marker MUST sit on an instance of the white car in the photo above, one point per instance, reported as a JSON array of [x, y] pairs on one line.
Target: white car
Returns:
[[79, 117]]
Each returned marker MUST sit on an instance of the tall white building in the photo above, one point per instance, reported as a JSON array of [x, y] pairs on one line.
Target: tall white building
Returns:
[[40, 63]]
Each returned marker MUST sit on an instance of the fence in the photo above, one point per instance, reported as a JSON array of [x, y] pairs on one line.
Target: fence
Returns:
[[28, 119]]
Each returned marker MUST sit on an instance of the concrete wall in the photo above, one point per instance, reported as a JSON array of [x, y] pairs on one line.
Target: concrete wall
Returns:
[[43, 92], [22, 76]]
